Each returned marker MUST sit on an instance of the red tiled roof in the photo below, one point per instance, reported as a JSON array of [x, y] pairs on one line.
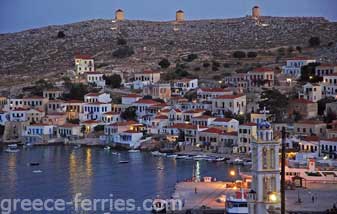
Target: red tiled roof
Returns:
[[301, 100], [183, 80], [56, 114], [112, 113], [330, 75], [214, 130], [161, 117], [194, 111], [33, 98], [83, 56], [330, 139], [203, 117], [311, 138], [262, 70], [230, 133], [124, 123], [185, 126], [93, 73], [147, 101], [69, 125], [301, 58], [327, 65], [230, 96], [74, 101], [176, 110], [220, 119], [20, 109], [92, 94], [149, 72], [131, 131], [212, 89], [90, 121]]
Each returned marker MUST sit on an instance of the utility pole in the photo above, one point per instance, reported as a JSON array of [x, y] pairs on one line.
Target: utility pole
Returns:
[[283, 163]]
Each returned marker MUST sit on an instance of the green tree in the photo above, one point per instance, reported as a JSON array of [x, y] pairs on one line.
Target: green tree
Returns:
[[330, 116], [308, 73], [322, 104], [77, 91], [191, 57], [123, 52], [41, 85], [164, 63], [251, 54], [121, 41], [276, 102], [2, 130], [99, 128], [239, 54], [60, 35], [206, 64], [114, 81], [314, 41], [299, 49], [129, 113]]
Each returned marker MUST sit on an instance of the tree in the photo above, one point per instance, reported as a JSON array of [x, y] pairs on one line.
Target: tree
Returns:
[[239, 54], [41, 85], [299, 49], [164, 63], [2, 130], [123, 52], [129, 113], [330, 116], [276, 102], [114, 81], [191, 57], [77, 91], [179, 72], [60, 35], [314, 41], [121, 41], [322, 104], [251, 54], [308, 73], [281, 51], [99, 128], [206, 64]]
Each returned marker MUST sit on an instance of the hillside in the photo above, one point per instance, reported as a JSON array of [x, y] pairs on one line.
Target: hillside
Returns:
[[39, 51]]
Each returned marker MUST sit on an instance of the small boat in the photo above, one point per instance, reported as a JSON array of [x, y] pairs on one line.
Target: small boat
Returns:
[[238, 161], [181, 156], [115, 153], [247, 162], [107, 148], [200, 157], [237, 204], [134, 151], [34, 164], [189, 157], [220, 159], [123, 161], [157, 153], [37, 171], [12, 148], [77, 146], [160, 168], [172, 156]]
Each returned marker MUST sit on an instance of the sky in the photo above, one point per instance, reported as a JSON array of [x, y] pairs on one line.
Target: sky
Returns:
[[18, 15]]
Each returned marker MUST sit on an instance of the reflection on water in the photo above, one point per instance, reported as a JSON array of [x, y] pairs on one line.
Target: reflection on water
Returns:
[[97, 173]]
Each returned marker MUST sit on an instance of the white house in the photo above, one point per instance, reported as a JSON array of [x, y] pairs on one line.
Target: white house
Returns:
[[38, 133], [145, 78], [311, 92], [325, 69], [4, 117], [130, 98], [84, 63], [69, 130], [52, 93], [180, 87], [18, 114], [97, 97], [96, 78], [329, 85], [210, 93], [233, 103], [94, 111], [111, 117], [143, 106], [229, 124], [293, 66]]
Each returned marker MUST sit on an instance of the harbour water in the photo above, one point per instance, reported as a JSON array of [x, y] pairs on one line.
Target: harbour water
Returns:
[[64, 171]]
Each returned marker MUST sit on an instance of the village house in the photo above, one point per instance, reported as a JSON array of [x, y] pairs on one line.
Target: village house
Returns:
[[158, 90], [111, 117], [310, 127], [56, 118], [325, 69], [52, 93], [96, 79], [175, 116], [207, 94], [145, 78], [260, 78], [97, 97], [319, 146], [39, 133], [130, 98], [237, 81], [35, 115], [83, 64], [73, 109], [4, 117], [330, 107], [229, 124], [18, 114], [94, 111], [88, 126], [189, 114], [143, 106], [158, 123], [55, 106], [188, 131], [293, 66], [247, 134], [35, 102], [331, 133], [311, 92], [229, 103], [127, 133], [329, 85], [3, 102], [306, 108], [260, 117], [180, 87], [202, 120], [69, 130]]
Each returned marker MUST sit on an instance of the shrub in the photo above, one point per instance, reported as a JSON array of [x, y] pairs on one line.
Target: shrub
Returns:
[[191, 57], [206, 64], [164, 63], [239, 54], [314, 41], [251, 54], [61, 35], [123, 52], [114, 81], [121, 41]]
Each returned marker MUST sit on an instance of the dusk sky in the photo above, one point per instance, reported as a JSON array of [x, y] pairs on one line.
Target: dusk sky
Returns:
[[18, 15]]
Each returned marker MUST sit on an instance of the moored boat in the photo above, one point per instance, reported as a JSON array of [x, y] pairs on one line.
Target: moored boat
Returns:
[[237, 204], [12, 148]]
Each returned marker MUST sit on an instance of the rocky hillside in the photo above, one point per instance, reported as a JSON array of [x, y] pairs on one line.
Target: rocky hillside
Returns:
[[41, 51]]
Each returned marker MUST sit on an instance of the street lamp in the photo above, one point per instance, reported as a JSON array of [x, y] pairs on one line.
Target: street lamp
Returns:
[[272, 197], [232, 173]]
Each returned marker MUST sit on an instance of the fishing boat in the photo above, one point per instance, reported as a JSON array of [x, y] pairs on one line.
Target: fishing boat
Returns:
[[123, 161], [37, 171], [172, 156], [107, 148], [237, 204], [181, 156], [247, 162], [200, 157], [134, 151], [12, 148], [77, 146], [157, 153]]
